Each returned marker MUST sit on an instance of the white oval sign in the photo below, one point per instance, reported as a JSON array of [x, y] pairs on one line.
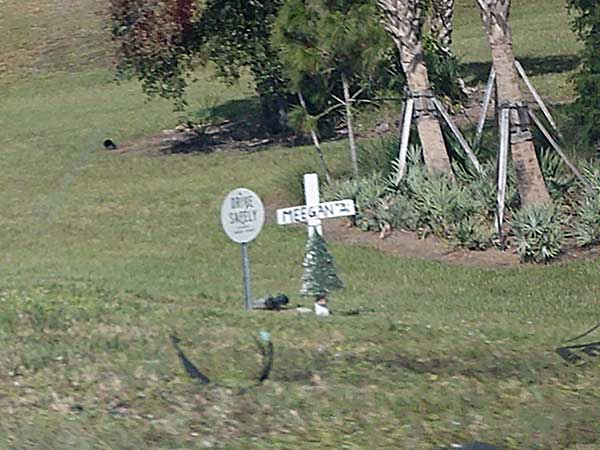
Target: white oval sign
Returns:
[[242, 215]]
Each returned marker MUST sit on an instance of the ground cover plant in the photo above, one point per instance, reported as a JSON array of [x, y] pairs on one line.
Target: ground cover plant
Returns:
[[462, 210], [104, 255]]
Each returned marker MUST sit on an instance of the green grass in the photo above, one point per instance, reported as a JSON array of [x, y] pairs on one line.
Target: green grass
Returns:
[[103, 255]]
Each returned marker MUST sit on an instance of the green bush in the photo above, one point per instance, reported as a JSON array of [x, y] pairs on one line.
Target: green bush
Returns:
[[368, 194], [538, 231], [402, 214], [558, 180], [444, 70], [472, 233], [591, 170], [585, 110], [377, 155], [586, 228]]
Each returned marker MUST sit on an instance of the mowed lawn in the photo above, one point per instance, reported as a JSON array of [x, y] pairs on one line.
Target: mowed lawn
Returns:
[[103, 256]]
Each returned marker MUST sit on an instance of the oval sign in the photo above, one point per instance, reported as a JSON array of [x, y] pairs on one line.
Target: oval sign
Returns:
[[242, 215]]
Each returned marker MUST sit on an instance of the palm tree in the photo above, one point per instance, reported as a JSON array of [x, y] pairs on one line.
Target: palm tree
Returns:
[[441, 22], [495, 15], [403, 20]]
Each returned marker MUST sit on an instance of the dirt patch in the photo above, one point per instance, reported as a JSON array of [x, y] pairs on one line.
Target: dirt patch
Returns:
[[228, 135], [409, 245]]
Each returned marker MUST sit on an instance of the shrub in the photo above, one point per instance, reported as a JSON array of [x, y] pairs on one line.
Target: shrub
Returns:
[[443, 69], [472, 233], [402, 213], [367, 193], [538, 232], [586, 108], [591, 170], [586, 228], [558, 180], [377, 155]]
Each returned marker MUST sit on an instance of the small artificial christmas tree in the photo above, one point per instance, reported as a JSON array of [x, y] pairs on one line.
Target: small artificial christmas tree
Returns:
[[319, 269]]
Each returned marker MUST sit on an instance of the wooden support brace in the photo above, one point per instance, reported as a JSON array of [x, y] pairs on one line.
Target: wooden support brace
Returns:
[[486, 104], [404, 139], [502, 169], [562, 154], [463, 143], [538, 98]]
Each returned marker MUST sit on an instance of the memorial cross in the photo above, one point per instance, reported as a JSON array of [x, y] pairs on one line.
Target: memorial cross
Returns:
[[313, 211]]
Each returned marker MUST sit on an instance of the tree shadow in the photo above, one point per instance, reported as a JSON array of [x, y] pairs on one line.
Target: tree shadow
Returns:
[[233, 125], [478, 72], [247, 109]]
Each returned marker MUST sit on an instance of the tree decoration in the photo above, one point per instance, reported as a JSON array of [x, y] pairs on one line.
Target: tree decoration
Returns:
[[319, 268]]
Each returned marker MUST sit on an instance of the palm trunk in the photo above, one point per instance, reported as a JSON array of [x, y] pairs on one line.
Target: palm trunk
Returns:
[[495, 15], [442, 18], [352, 143], [403, 20]]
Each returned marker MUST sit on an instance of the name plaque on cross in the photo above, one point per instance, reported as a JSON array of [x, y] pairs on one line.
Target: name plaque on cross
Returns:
[[313, 212], [302, 214]]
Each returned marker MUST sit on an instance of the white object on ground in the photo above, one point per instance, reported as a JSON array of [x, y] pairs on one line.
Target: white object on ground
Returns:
[[321, 310]]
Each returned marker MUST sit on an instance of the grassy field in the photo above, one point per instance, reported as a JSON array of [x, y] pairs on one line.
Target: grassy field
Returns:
[[102, 256]]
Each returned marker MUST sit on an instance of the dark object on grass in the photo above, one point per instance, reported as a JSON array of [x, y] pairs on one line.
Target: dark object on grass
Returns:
[[273, 303], [276, 302], [109, 145], [475, 446], [265, 347], [479, 446], [568, 354], [189, 367]]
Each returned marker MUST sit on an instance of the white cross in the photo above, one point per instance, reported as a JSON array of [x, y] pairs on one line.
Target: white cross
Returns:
[[313, 212]]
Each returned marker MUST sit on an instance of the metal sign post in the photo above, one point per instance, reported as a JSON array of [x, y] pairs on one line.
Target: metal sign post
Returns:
[[242, 218], [246, 273]]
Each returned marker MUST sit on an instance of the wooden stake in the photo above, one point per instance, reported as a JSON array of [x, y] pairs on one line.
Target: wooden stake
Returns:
[[404, 139], [351, 141], [502, 169], [315, 140], [562, 154], [486, 104], [537, 97], [463, 143]]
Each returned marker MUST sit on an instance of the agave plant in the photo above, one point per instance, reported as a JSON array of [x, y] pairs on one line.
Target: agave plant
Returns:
[[591, 170], [586, 228], [401, 213], [538, 230], [558, 180], [367, 194], [472, 233]]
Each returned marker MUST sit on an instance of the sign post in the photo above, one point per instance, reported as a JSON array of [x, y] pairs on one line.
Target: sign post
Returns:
[[313, 212], [242, 218]]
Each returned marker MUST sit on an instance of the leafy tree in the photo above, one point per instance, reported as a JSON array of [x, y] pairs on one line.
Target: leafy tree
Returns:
[[162, 41], [334, 45], [586, 108]]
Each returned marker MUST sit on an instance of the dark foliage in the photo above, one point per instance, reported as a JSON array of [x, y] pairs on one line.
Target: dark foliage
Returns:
[[586, 108]]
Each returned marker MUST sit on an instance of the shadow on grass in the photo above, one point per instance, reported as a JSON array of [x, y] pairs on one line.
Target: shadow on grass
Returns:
[[233, 125], [478, 72], [233, 110]]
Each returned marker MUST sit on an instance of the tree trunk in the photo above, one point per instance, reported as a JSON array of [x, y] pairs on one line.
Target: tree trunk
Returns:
[[316, 143], [403, 20], [352, 143], [495, 15], [441, 21]]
